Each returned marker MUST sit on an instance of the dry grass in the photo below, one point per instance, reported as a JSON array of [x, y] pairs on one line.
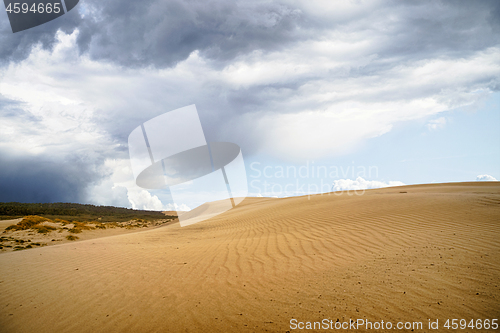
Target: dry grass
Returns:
[[43, 229], [63, 222], [78, 227], [81, 225], [98, 225], [112, 225], [28, 222]]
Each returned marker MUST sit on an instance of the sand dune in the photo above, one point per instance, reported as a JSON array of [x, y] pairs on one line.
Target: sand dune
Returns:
[[432, 252]]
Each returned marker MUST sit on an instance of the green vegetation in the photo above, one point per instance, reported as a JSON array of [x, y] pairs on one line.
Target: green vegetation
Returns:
[[76, 212]]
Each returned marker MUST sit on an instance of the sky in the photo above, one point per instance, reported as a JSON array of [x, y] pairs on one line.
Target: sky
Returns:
[[354, 94]]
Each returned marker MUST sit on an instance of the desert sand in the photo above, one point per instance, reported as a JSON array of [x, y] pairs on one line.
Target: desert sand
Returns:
[[406, 254]]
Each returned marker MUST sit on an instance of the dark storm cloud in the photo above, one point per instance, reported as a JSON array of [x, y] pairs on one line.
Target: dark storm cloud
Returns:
[[17, 47], [162, 33], [41, 179], [54, 176], [439, 28]]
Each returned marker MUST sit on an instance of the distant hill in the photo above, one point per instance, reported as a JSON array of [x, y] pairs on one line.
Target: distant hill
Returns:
[[75, 212]]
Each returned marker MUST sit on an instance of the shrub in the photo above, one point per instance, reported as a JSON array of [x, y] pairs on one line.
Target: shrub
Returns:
[[71, 237], [82, 225], [75, 230], [28, 222], [43, 229]]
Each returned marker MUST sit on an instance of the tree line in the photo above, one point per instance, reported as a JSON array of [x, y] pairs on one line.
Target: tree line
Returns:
[[17, 209]]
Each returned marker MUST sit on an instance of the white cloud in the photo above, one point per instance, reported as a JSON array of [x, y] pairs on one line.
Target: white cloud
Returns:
[[118, 188], [295, 103], [142, 199], [129, 195], [361, 184], [108, 194], [176, 207], [333, 111], [56, 119], [436, 124], [486, 178]]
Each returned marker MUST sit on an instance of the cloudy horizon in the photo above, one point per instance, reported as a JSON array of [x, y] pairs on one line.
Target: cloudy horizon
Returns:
[[410, 88]]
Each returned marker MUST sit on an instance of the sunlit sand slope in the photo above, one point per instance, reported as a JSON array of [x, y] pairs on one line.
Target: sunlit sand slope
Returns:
[[432, 252]]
